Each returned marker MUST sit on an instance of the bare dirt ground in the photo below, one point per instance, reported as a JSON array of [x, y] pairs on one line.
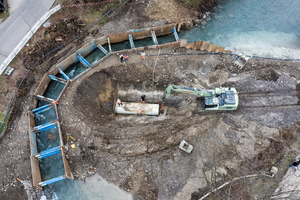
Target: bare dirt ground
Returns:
[[140, 154]]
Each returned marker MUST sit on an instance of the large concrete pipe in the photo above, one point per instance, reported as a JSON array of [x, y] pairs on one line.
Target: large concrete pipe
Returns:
[[131, 108]]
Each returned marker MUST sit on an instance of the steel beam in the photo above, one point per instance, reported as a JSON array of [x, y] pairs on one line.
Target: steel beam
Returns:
[[109, 46], [38, 112], [58, 79], [48, 152], [42, 107], [44, 183], [131, 41], [154, 39], [63, 73], [45, 126], [44, 98], [175, 34], [102, 49], [83, 61]]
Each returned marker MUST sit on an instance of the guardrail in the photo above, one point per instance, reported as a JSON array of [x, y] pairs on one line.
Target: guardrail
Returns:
[[88, 4], [29, 34]]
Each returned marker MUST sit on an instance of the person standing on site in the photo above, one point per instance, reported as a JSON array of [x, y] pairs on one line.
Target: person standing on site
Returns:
[[143, 98], [125, 57], [139, 112], [119, 102], [121, 57], [295, 164], [143, 55]]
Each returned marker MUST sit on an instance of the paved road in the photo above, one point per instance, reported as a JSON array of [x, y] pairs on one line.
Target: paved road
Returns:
[[13, 29], [13, 5]]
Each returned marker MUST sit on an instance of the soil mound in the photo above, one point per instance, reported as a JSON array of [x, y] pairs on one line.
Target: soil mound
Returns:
[[267, 74]]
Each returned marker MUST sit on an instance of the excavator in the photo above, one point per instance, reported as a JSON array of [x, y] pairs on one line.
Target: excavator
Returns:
[[216, 99]]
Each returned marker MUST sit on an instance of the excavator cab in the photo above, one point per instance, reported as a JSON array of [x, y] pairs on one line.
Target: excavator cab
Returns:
[[211, 103], [222, 101]]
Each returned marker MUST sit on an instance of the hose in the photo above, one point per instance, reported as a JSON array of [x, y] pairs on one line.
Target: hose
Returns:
[[213, 53]]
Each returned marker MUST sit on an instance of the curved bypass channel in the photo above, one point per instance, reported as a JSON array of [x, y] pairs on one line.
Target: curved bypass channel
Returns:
[[46, 139]]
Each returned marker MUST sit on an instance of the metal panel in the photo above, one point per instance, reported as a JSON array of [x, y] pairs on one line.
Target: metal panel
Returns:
[[62, 91], [33, 143], [68, 173], [36, 172], [67, 62], [118, 37], [40, 90], [60, 134], [56, 111], [31, 120], [102, 40], [87, 49], [163, 30], [141, 34], [32, 136]]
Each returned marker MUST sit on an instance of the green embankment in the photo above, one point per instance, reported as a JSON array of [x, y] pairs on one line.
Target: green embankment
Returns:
[[2, 115]]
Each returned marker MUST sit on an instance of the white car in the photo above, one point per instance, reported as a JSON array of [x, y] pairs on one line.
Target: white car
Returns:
[[9, 70]]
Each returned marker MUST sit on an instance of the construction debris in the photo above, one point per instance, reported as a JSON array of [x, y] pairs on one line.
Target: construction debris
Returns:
[[240, 61], [184, 146], [9, 70]]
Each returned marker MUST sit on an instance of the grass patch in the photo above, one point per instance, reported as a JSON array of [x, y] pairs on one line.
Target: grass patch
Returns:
[[91, 15], [153, 8], [59, 2], [118, 8], [2, 115], [104, 20], [4, 15], [14, 61], [2, 76], [2, 80], [190, 2]]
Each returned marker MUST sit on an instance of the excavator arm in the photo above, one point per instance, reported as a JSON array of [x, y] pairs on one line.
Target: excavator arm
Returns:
[[216, 99], [189, 90]]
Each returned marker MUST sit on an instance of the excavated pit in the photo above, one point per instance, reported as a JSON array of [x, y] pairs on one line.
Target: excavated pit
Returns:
[[96, 95]]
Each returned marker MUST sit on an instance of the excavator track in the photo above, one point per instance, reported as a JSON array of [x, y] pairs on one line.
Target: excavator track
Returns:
[[260, 102]]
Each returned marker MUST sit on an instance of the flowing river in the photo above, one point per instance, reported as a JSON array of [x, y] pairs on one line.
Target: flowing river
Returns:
[[267, 28]]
